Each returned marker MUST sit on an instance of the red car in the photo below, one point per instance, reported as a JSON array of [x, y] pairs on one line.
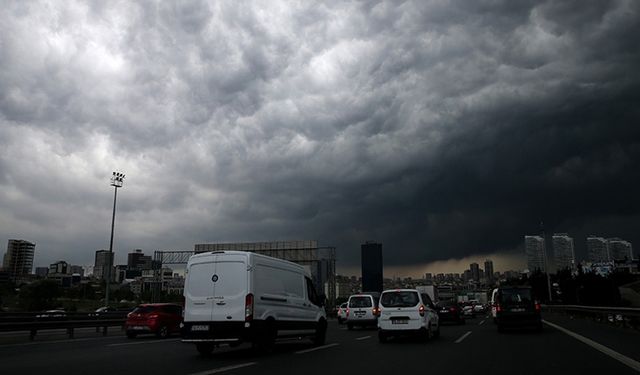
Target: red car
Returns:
[[162, 319]]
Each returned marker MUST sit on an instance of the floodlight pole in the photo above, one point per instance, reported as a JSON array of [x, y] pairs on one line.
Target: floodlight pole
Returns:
[[117, 179]]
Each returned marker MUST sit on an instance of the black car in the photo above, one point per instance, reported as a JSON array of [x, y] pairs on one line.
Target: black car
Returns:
[[450, 311], [516, 307]]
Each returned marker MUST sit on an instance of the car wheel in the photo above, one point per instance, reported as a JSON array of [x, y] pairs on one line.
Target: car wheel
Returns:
[[267, 339], [204, 348], [426, 336], [436, 334], [382, 337], [163, 332], [321, 333], [349, 326], [131, 335]]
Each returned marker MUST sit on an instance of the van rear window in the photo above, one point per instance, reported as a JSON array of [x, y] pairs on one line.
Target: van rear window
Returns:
[[515, 296], [399, 299], [360, 302]]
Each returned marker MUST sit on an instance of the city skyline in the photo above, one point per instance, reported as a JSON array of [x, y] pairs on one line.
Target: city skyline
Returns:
[[441, 130]]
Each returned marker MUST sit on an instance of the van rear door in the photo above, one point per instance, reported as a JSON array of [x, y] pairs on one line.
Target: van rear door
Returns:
[[198, 291], [230, 288]]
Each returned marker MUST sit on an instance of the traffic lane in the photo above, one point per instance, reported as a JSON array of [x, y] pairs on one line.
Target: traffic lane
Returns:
[[528, 352], [623, 340]]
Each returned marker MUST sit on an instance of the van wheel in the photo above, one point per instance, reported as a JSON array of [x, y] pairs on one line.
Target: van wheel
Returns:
[[204, 348], [163, 332], [321, 333], [267, 339]]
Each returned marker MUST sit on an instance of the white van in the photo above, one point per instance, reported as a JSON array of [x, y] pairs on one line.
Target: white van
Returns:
[[236, 296], [362, 310], [407, 312]]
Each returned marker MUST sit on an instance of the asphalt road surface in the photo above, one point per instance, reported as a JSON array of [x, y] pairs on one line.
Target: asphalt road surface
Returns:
[[566, 346]]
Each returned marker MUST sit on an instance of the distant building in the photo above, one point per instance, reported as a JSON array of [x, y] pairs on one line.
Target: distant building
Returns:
[[475, 272], [59, 268], [77, 270], [428, 277], [597, 249], [620, 249], [18, 260], [371, 258], [42, 271], [535, 252], [488, 271], [138, 261], [563, 251], [104, 258]]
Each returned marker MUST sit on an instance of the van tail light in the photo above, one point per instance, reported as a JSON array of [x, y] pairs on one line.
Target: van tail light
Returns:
[[347, 314], [421, 310], [538, 307], [452, 309], [498, 307], [248, 308], [376, 311]]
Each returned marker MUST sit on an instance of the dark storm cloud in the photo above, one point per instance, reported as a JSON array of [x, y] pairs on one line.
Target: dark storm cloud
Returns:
[[442, 129]]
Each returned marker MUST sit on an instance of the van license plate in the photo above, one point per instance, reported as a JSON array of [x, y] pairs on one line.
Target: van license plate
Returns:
[[398, 321], [138, 328], [517, 310], [200, 328]]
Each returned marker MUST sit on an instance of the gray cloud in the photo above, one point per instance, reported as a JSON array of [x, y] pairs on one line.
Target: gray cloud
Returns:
[[443, 129]]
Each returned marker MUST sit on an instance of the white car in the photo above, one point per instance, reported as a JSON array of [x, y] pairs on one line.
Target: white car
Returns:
[[362, 310], [342, 313], [235, 296], [407, 312], [494, 301]]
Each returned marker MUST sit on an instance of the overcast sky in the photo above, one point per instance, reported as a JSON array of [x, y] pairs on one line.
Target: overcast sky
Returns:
[[443, 129]]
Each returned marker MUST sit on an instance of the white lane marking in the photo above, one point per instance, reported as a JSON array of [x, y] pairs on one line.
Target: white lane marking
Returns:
[[223, 369], [363, 338], [318, 348], [458, 341], [143, 342], [481, 323], [599, 347]]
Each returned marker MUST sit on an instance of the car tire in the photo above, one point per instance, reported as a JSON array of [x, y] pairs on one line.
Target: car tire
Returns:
[[436, 334], [163, 332], [340, 320], [131, 335], [426, 335], [382, 337], [349, 326], [266, 342], [321, 333], [204, 349]]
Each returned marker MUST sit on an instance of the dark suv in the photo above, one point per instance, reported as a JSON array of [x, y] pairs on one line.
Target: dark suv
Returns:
[[516, 308], [162, 319]]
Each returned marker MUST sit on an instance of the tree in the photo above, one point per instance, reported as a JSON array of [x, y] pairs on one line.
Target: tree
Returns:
[[39, 295]]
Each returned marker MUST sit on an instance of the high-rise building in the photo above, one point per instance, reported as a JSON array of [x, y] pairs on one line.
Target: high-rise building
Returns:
[[488, 271], [597, 249], [475, 272], [535, 251], [371, 253], [42, 271], [104, 258], [138, 261], [563, 251], [620, 249], [18, 260]]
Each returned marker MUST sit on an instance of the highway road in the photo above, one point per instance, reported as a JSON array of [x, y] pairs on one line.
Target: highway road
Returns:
[[474, 348]]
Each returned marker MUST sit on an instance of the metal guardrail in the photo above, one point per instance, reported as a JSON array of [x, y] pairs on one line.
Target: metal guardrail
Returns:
[[625, 316], [38, 321]]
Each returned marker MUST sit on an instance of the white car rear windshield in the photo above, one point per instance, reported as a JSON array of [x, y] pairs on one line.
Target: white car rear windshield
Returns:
[[360, 302], [399, 299]]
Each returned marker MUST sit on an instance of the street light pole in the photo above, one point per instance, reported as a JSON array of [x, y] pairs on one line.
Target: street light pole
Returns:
[[546, 262], [117, 179]]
